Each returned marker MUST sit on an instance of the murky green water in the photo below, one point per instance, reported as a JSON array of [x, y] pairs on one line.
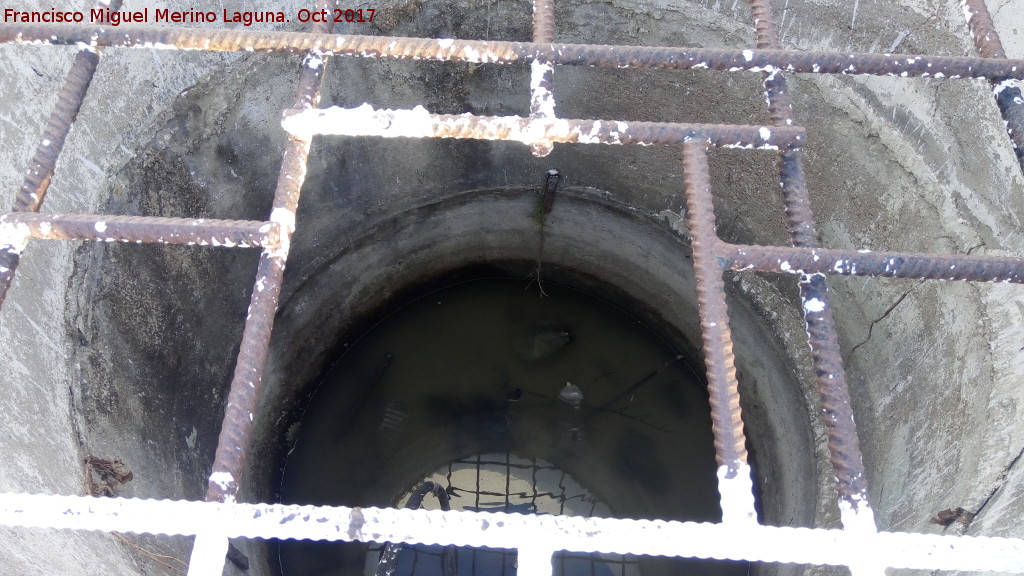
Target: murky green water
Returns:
[[463, 386]]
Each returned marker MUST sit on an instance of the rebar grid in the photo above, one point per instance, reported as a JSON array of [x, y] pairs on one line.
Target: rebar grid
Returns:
[[739, 536]]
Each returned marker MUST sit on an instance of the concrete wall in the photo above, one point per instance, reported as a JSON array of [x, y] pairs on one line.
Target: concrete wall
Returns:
[[126, 351], [46, 344]]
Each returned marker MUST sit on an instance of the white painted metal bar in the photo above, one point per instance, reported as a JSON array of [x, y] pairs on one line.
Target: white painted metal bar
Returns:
[[536, 535], [208, 553], [736, 496], [535, 561], [861, 520]]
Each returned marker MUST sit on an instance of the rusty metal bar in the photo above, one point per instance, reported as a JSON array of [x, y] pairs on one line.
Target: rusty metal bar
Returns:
[[735, 485], [983, 30], [805, 260], [837, 414], [69, 101], [544, 21], [418, 123], [542, 96], [1008, 96], [664, 58], [776, 92], [148, 229], [40, 172], [236, 428]]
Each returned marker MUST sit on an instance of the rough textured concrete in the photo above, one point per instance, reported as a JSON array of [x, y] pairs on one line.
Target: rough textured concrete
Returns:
[[125, 351], [47, 426]]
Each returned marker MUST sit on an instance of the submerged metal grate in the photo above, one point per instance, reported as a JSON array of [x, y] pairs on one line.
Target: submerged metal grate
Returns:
[[505, 482], [739, 536]]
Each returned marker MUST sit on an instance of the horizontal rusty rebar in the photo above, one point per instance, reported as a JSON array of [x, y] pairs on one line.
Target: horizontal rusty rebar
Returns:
[[803, 260], [665, 58], [1008, 97], [418, 123], [142, 229], [69, 102], [246, 383]]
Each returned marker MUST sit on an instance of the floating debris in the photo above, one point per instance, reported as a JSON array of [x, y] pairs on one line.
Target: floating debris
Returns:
[[541, 345], [569, 413], [393, 421], [571, 395]]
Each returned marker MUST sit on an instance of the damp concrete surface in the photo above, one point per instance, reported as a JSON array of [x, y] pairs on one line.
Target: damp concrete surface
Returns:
[[126, 352]]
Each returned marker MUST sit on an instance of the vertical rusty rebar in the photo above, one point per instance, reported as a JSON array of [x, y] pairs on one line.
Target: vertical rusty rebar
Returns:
[[40, 172], [542, 96], [243, 397], [544, 21], [843, 443], [1008, 96], [735, 484], [983, 30]]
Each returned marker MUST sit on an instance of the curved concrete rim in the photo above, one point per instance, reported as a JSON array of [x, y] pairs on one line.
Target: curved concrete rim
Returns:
[[592, 243]]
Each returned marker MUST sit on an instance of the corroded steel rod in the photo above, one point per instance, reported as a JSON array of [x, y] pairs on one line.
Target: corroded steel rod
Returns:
[[243, 396], [40, 172], [418, 123], [751, 542], [542, 96], [734, 480], [830, 375], [141, 229], [806, 260], [665, 58], [1008, 96]]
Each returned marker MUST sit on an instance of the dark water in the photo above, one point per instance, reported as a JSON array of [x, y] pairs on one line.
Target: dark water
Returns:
[[463, 387]]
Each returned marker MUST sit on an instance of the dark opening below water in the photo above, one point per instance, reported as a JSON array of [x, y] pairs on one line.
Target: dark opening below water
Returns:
[[462, 386]]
